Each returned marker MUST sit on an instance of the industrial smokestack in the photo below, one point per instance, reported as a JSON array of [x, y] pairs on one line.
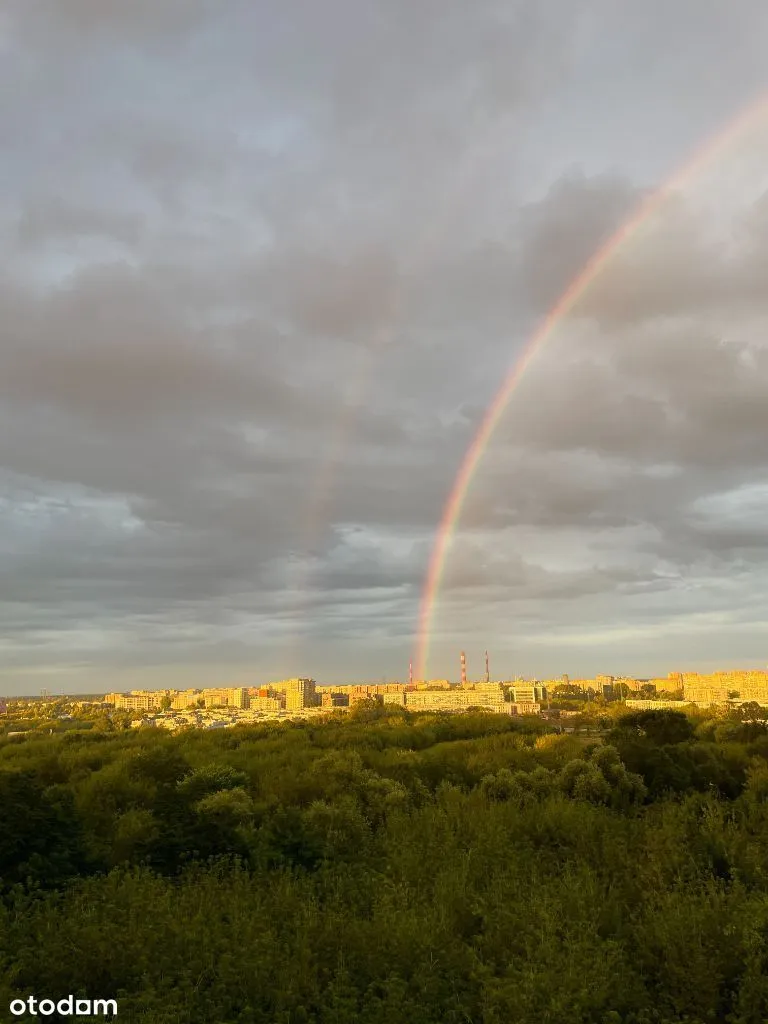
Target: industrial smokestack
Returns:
[[463, 668], [487, 669], [410, 673]]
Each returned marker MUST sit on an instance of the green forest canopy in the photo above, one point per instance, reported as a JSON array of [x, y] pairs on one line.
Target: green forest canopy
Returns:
[[385, 867]]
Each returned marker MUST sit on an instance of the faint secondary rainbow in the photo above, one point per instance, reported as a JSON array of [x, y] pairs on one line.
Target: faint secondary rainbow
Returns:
[[453, 507]]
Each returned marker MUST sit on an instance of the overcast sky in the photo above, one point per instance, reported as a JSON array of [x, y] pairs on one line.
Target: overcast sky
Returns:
[[266, 265]]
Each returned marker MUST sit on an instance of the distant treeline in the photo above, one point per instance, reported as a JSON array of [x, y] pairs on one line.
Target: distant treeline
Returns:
[[381, 867]]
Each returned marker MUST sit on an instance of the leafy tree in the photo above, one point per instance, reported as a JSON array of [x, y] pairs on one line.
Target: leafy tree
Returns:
[[367, 710], [750, 711], [135, 833], [662, 727], [208, 779], [568, 690], [40, 840], [162, 763]]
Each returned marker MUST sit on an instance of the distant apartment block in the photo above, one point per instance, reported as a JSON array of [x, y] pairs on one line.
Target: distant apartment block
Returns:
[[334, 700], [367, 689], [491, 693], [259, 703], [228, 696], [154, 697], [652, 705], [184, 699], [485, 695], [718, 687], [356, 698], [137, 702], [522, 691], [300, 694], [629, 683], [674, 682], [215, 697], [604, 685]]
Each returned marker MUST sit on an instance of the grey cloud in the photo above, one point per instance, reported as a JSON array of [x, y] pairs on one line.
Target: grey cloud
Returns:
[[80, 20], [116, 346], [326, 295], [43, 219], [677, 270], [265, 271], [559, 234]]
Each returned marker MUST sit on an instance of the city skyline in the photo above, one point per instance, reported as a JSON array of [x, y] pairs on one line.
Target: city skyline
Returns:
[[659, 679], [228, 706], [264, 283]]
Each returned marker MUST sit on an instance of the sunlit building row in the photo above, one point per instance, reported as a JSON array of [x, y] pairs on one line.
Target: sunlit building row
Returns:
[[297, 694], [289, 694], [718, 687]]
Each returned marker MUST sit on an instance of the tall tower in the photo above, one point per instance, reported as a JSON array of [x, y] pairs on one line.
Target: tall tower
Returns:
[[463, 668], [410, 673], [487, 669]]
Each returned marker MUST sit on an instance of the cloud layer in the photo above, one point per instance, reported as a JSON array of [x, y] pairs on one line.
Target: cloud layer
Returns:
[[266, 270]]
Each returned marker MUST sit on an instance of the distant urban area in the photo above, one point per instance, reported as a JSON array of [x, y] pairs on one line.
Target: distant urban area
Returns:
[[561, 697]]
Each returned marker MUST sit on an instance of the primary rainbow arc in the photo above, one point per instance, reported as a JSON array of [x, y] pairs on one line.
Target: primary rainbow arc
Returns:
[[567, 300]]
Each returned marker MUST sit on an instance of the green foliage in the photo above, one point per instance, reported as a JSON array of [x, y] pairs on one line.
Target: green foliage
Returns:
[[39, 835], [210, 778], [659, 727], [385, 867]]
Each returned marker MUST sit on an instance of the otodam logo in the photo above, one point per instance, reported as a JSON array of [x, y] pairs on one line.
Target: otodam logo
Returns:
[[69, 1006]]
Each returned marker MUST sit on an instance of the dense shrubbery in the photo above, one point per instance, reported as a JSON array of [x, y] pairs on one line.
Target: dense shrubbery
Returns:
[[386, 868]]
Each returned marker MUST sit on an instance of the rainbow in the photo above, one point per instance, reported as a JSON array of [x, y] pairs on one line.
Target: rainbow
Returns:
[[598, 262]]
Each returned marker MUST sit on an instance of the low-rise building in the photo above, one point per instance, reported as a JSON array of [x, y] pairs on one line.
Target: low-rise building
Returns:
[[329, 699], [524, 707], [267, 703]]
